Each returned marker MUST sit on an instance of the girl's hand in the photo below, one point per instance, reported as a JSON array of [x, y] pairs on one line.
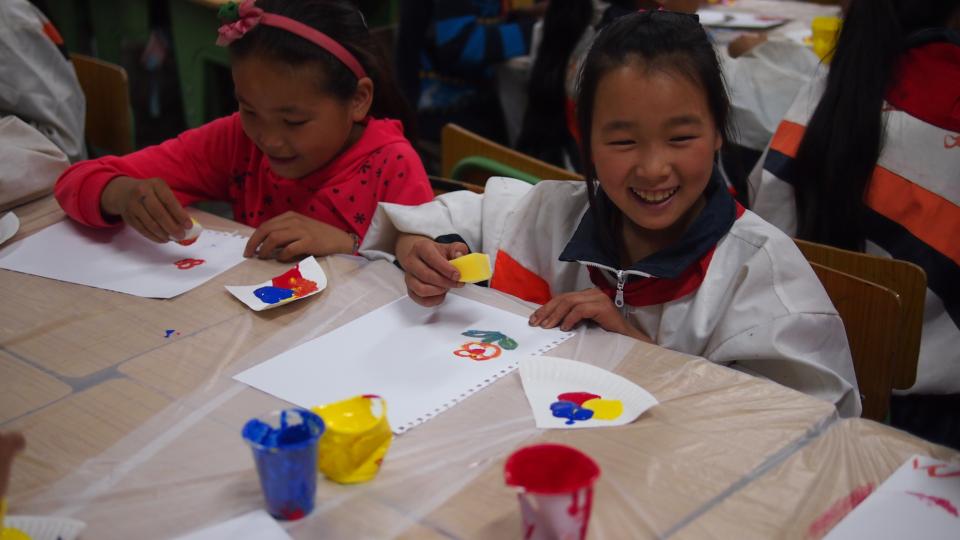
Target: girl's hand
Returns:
[[568, 309], [427, 272], [148, 206], [291, 235]]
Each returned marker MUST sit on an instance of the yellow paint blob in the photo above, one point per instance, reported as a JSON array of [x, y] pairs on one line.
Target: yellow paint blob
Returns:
[[604, 409], [473, 267]]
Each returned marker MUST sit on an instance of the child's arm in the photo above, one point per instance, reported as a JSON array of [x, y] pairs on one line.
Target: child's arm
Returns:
[[196, 165]]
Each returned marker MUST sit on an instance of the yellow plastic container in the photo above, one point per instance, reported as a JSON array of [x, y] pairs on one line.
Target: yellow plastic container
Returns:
[[826, 30], [355, 440], [473, 268]]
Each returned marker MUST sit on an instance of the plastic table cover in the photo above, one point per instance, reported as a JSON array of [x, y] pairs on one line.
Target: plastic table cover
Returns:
[[138, 434]]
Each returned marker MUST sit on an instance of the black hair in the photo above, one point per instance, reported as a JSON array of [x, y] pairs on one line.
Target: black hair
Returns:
[[844, 137], [661, 40], [544, 134], [343, 22]]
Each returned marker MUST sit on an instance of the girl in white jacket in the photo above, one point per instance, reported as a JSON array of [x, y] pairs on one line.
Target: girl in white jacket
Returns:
[[651, 246]]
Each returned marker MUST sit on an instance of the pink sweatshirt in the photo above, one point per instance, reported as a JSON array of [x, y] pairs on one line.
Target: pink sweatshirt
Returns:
[[217, 161]]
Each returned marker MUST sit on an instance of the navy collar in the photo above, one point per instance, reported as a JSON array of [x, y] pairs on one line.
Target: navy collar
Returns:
[[707, 229]]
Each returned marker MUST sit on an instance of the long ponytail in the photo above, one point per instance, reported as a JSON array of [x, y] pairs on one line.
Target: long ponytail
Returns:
[[844, 137], [544, 133]]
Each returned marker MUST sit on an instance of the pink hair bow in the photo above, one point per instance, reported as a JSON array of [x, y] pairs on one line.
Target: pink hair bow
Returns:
[[248, 16]]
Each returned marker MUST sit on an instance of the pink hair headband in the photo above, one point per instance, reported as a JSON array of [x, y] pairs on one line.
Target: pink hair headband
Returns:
[[246, 16]]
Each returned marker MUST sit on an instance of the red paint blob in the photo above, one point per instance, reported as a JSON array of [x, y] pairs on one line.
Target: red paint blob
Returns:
[[550, 469], [838, 511], [186, 264], [577, 397], [936, 501], [292, 279]]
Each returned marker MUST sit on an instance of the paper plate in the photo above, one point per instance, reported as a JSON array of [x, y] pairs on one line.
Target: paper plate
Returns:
[[303, 280], [46, 528], [566, 394], [9, 225]]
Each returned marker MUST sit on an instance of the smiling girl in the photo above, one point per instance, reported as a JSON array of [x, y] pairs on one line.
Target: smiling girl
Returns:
[[305, 160], [651, 246]]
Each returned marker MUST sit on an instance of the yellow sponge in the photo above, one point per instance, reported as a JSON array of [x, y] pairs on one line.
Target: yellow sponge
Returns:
[[473, 267]]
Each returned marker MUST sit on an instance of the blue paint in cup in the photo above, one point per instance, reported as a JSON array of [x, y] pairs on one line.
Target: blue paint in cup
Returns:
[[284, 446]]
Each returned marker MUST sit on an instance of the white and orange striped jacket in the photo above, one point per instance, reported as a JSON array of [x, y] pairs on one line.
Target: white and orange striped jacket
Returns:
[[734, 290], [911, 201]]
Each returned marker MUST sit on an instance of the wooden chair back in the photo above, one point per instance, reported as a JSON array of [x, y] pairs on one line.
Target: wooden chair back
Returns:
[[906, 279], [871, 315], [109, 124], [461, 145], [446, 185]]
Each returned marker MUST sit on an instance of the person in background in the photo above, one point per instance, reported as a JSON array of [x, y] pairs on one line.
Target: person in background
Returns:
[[446, 53], [652, 245], [868, 159], [318, 141], [37, 81], [41, 105]]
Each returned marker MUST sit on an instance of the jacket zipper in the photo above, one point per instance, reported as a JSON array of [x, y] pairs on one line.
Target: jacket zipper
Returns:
[[618, 301]]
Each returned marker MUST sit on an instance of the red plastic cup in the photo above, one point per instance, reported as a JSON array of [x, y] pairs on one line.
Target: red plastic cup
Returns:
[[555, 488]]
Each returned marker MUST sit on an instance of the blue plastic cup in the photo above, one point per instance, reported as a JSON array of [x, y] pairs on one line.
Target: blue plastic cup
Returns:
[[284, 445]]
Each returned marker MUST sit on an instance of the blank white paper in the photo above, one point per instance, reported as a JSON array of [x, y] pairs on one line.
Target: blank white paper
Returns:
[[257, 525]]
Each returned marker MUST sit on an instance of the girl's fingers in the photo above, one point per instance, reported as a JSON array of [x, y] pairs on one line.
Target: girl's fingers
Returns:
[[435, 256], [276, 240], [174, 208], [425, 272], [294, 250], [585, 310], [157, 233], [138, 223], [159, 215], [426, 301]]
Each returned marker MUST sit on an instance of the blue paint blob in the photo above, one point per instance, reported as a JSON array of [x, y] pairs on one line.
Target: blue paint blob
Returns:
[[571, 411], [168, 333], [272, 295]]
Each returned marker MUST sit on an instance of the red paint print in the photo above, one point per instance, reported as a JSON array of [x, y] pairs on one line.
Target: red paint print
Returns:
[[936, 501], [186, 264], [292, 279], [478, 351], [838, 511], [951, 141], [934, 470], [577, 397]]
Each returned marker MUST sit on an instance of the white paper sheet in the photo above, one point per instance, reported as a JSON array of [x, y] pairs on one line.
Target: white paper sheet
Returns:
[[122, 260], [257, 299], [257, 525], [416, 358], [9, 225], [920, 500], [739, 20], [566, 394]]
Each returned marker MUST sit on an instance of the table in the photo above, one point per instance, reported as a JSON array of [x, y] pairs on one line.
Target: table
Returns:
[[138, 434]]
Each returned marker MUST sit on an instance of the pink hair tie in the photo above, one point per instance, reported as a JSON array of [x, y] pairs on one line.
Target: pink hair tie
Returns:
[[247, 16]]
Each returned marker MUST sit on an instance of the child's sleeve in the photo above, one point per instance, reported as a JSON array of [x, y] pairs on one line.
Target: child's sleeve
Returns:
[[476, 220], [196, 165]]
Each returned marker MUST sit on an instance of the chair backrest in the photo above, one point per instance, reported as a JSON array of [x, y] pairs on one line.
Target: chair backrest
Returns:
[[446, 185], [109, 125], [461, 145], [906, 279], [871, 315]]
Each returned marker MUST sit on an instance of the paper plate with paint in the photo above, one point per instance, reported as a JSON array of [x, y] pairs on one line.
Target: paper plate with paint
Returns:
[[9, 225], [566, 394], [301, 281]]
